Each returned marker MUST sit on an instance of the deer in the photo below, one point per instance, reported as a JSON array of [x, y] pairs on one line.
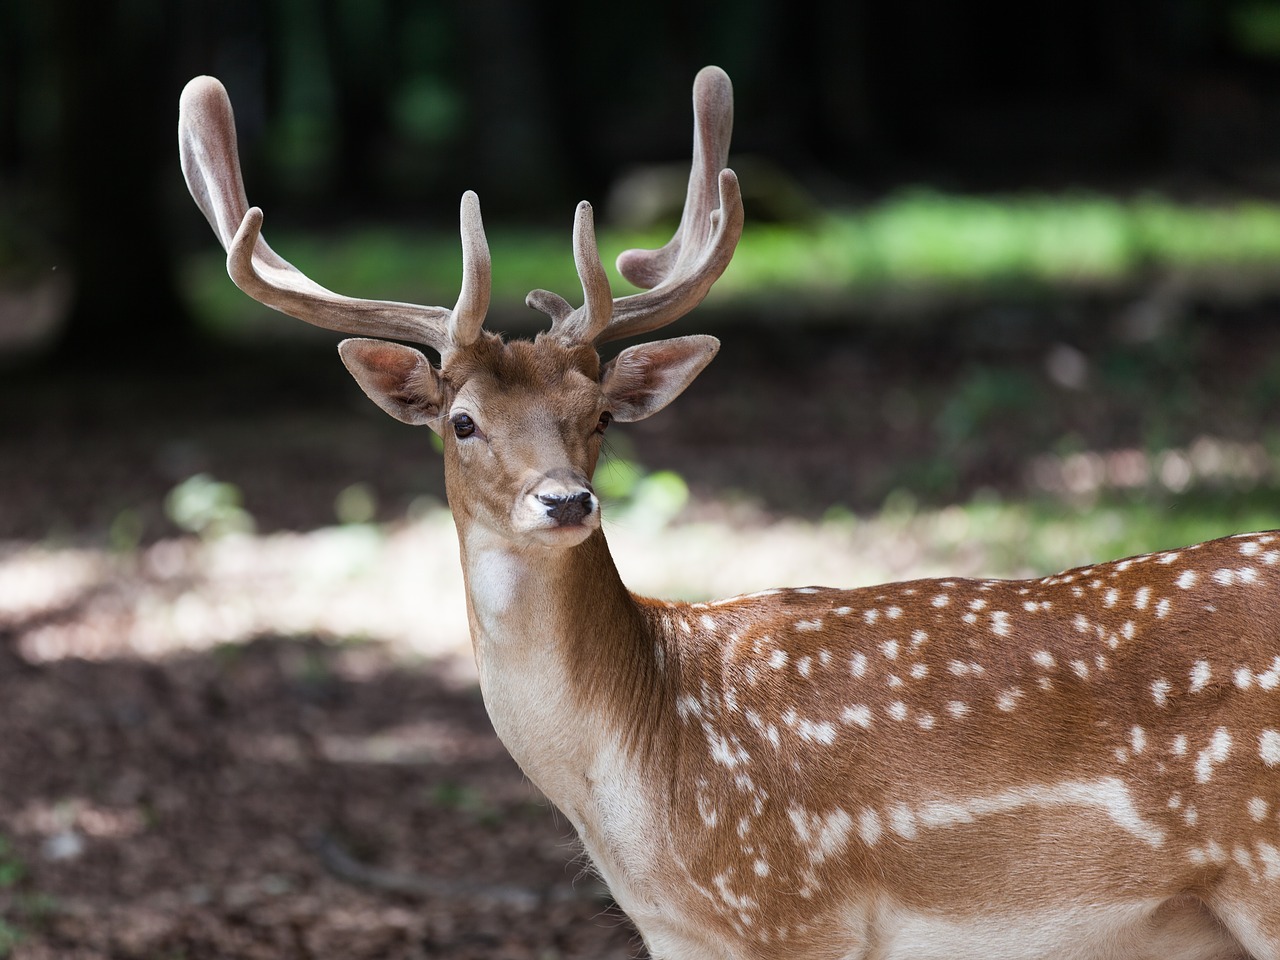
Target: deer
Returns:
[[1084, 766]]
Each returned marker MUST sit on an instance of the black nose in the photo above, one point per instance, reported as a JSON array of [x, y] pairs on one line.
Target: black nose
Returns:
[[567, 511]]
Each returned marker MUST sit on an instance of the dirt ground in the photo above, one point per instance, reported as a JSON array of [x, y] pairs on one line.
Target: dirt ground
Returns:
[[293, 796]]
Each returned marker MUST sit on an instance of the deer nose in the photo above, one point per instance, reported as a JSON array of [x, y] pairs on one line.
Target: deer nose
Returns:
[[568, 509]]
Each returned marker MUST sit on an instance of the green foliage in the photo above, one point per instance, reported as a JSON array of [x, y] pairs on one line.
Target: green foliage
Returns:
[[1255, 27], [468, 800], [357, 503], [1042, 534], [12, 869], [636, 497], [207, 507], [982, 399]]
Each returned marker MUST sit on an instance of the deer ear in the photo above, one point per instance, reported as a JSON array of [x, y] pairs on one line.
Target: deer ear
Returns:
[[643, 379], [397, 378]]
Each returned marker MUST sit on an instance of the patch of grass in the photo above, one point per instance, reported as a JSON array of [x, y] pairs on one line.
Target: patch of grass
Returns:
[[1044, 535]]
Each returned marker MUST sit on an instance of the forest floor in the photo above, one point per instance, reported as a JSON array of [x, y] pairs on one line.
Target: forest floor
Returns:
[[273, 745]]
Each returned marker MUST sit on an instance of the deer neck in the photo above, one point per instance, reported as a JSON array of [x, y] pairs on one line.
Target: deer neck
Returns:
[[565, 657]]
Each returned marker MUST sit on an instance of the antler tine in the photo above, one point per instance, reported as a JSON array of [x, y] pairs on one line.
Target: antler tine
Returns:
[[584, 324], [468, 315], [211, 166], [679, 274]]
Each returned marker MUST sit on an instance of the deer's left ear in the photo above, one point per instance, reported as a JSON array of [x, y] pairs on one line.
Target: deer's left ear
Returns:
[[643, 379], [397, 378]]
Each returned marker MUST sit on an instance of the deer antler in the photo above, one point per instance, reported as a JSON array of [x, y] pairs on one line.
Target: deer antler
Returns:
[[211, 165], [676, 276]]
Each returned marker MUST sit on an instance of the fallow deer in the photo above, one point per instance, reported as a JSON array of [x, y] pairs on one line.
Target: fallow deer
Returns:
[[1081, 766]]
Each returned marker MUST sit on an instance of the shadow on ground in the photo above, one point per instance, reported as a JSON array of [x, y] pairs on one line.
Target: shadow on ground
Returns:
[[282, 798]]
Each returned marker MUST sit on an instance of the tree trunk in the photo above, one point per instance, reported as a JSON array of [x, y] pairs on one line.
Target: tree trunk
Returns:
[[116, 151]]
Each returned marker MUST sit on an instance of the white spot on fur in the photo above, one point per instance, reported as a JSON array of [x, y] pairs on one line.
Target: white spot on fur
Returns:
[[1044, 659], [926, 721], [941, 600], [897, 710], [858, 665], [1271, 678], [1201, 674], [902, 821], [859, 714], [808, 626], [1000, 623], [1269, 748], [1109, 796], [1178, 746], [1160, 692], [1142, 598], [825, 836], [803, 666], [869, 827], [1163, 608], [761, 867], [1008, 699], [957, 708], [1242, 678], [731, 899], [890, 649], [1187, 579], [706, 811], [1270, 858], [893, 613], [1138, 739], [919, 671], [1212, 755], [778, 659], [1258, 808], [917, 638], [687, 706]]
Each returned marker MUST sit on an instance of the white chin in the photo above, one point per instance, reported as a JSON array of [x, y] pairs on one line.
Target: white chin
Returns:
[[560, 537]]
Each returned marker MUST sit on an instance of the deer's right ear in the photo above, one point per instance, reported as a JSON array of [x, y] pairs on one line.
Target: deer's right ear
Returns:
[[397, 378]]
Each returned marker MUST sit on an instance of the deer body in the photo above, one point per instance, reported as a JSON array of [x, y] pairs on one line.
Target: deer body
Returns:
[[1085, 766]]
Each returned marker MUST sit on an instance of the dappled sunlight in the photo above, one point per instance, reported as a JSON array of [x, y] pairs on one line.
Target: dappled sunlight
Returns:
[[401, 584], [1208, 460], [62, 824]]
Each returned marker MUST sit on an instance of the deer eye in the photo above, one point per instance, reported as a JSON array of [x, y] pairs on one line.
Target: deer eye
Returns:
[[463, 426], [606, 418]]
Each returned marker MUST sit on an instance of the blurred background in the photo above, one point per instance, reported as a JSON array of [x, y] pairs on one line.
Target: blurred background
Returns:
[[1008, 300]]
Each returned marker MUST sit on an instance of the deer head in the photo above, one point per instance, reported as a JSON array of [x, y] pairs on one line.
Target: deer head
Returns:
[[522, 421]]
